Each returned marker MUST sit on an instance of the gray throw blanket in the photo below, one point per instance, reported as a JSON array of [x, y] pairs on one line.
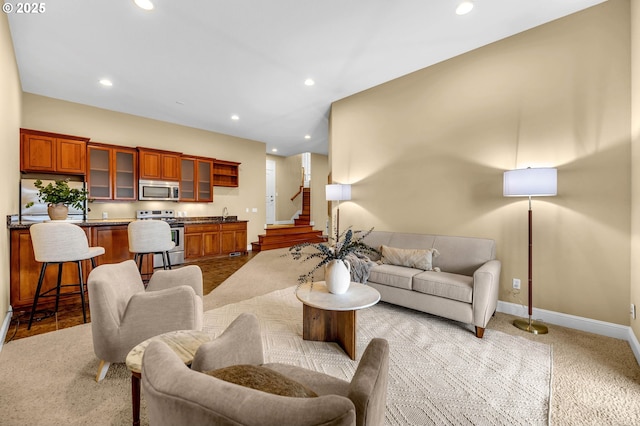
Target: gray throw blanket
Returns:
[[360, 267]]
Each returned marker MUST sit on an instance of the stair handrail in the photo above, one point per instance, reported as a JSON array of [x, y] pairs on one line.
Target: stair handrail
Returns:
[[301, 185], [297, 193]]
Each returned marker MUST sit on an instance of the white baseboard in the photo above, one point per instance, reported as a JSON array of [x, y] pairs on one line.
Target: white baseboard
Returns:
[[5, 326], [578, 323]]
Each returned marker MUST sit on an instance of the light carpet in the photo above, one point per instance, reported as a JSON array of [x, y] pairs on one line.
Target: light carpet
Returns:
[[439, 373]]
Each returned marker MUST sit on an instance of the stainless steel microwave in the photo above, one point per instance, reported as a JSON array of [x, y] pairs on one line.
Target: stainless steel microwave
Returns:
[[156, 190]]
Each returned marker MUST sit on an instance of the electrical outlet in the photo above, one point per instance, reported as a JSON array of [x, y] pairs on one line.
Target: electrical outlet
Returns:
[[516, 283], [632, 311]]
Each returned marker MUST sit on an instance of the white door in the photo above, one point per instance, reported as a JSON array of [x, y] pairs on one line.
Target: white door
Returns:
[[271, 192]]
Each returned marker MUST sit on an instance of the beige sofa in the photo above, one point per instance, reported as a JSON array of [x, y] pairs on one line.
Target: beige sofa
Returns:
[[465, 289]]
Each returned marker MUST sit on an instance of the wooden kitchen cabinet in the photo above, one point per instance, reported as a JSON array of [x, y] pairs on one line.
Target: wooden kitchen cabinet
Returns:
[[233, 237], [226, 173], [201, 240], [159, 165], [112, 172], [24, 273], [195, 179], [46, 152]]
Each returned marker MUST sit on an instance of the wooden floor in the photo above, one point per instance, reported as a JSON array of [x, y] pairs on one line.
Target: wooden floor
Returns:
[[214, 272]]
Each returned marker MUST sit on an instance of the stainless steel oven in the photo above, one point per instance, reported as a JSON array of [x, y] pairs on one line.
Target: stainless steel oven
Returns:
[[176, 255]]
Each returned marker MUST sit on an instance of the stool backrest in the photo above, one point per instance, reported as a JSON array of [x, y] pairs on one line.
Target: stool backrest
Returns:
[[58, 242], [149, 236]]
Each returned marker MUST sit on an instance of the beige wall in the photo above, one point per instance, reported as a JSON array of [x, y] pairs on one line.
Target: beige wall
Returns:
[[10, 92], [635, 144], [426, 153], [47, 114]]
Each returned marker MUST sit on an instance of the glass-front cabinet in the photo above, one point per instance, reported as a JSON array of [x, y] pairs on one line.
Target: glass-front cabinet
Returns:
[[112, 173], [195, 179]]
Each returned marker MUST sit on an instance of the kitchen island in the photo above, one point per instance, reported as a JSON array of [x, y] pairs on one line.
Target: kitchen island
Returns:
[[204, 237]]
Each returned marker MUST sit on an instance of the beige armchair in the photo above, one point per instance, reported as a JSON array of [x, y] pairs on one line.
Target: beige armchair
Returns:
[[124, 314], [176, 394]]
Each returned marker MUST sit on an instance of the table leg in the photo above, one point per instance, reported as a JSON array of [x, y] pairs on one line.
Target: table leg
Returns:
[[330, 326], [135, 397]]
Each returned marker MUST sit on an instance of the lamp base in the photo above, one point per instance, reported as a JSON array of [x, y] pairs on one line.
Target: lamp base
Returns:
[[531, 326]]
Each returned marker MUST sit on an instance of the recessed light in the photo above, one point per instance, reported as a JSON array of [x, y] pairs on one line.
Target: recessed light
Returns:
[[307, 136], [144, 4], [235, 117], [309, 82], [106, 82], [464, 7], [274, 149]]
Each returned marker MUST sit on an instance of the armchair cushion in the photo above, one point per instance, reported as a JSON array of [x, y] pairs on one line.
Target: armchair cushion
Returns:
[[262, 379]]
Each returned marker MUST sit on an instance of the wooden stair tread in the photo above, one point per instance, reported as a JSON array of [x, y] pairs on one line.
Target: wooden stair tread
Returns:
[[280, 236]]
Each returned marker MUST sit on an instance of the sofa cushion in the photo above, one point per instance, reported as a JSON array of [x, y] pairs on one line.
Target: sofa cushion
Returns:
[[392, 275], [411, 258], [444, 284], [262, 379]]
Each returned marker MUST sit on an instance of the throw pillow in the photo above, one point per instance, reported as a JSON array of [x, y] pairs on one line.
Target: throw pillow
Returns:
[[411, 258], [262, 379]]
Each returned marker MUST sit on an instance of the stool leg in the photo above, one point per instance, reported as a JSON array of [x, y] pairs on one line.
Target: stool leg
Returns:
[[35, 299], [80, 277], [139, 260], [58, 286], [168, 259]]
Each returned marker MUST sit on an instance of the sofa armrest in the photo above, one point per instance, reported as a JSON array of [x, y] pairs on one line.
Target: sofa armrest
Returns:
[[190, 275], [486, 284], [240, 343]]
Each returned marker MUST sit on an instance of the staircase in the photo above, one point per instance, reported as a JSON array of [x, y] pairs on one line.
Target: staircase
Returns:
[[301, 231]]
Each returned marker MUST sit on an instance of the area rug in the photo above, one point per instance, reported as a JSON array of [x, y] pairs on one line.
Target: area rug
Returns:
[[440, 373]]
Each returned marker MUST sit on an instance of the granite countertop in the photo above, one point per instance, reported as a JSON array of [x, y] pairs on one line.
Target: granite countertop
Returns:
[[16, 224]]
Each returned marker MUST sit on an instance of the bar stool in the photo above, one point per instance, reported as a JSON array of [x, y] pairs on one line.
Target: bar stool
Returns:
[[60, 243], [150, 237]]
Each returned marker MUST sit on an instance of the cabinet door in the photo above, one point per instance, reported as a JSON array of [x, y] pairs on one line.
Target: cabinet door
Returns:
[[187, 179], [125, 179], [38, 153], [211, 243], [99, 176], [205, 189], [241, 241], [150, 165], [193, 246], [71, 156], [170, 166]]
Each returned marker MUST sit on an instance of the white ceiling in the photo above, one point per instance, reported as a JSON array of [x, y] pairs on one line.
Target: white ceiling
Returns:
[[197, 62]]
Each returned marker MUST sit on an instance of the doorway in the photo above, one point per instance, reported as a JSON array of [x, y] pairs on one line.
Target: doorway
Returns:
[[271, 193]]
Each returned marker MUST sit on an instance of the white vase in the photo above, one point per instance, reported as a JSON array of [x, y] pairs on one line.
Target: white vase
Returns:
[[337, 275]]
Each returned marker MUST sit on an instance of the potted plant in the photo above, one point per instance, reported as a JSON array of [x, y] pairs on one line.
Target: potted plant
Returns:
[[59, 196], [333, 258]]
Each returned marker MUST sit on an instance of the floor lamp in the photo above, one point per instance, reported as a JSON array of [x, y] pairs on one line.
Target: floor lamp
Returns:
[[338, 192], [538, 182]]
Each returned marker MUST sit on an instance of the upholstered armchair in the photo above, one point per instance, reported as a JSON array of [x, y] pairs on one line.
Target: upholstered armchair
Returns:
[[124, 314], [176, 394]]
